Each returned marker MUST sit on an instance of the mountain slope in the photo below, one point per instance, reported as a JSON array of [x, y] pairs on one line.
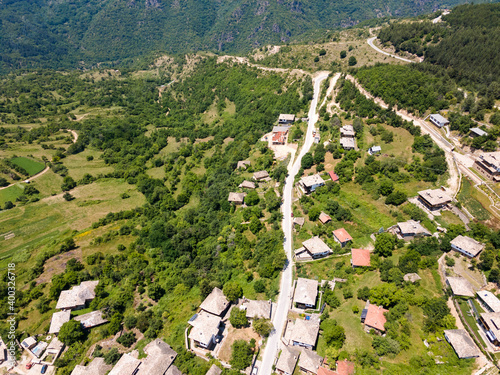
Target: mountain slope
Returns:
[[62, 33]]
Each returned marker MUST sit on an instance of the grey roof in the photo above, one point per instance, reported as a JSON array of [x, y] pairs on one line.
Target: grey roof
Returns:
[[96, 367], [286, 117], [257, 309], [479, 132], [468, 244], [347, 142], [306, 291], [412, 227], [281, 128], [375, 149], [347, 131], [309, 181], [305, 331], [310, 360], [460, 286], [299, 221], [77, 296], [91, 319], [462, 343], [173, 370], [160, 357], [55, 346], [489, 299], [205, 326], [58, 319], [435, 196], [287, 360], [315, 245], [127, 365], [247, 185], [439, 118], [242, 164], [215, 303], [214, 370], [260, 175], [236, 197], [413, 277]]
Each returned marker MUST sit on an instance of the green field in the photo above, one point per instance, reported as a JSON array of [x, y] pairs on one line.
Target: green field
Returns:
[[466, 197], [30, 165], [10, 194]]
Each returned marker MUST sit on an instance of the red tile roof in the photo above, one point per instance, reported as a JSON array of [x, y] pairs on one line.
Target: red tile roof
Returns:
[[324, 371], [360, 257], [342, 235], [345, 367], [333, 176], [279, 137], [324, 218], [375, 317]]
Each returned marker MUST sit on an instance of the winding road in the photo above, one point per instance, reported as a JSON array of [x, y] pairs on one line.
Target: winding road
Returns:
[[370, 42], [284, 299]]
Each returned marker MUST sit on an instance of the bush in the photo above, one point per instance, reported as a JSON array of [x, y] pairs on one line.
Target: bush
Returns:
[[232, 291], [238, 318], [343, 54], [396, 198], [68, 197], [385, 345], [262, 326], [259, 286], [71, 332], [352, 61], [322, 52], [241, 356], [127, 339], [8, 205]]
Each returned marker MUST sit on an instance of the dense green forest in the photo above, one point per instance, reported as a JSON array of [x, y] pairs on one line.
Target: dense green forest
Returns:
[[466, 44], [84, 32]]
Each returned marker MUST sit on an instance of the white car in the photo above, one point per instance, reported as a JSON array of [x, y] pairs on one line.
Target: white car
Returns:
[[254, 371]]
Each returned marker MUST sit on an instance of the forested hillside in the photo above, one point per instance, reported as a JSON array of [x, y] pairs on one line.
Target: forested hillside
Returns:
[[84, 32], [467, 44]]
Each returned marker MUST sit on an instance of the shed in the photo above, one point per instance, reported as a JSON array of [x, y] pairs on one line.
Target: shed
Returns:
[[298, 221], [324, 218], [261, 175], [438, 120], [333, 176], [476, 132], [243, 164], [374, 150], [411, 277]]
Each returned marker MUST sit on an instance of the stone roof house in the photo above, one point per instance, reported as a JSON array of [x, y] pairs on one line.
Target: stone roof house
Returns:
[[261, 175], [58, 319], [205, 329], [247, 185], [490, 302], [92, 319], [257, 309], [126, 365], [287, 361], [306, 293], [236, 198], [214, 370], [78, 296], [303, 332], [460, 286], [462, 343], [434, 199], [309, 361], [96, 367], [216, 302], [159, 358], [467, 246], [316, 248]]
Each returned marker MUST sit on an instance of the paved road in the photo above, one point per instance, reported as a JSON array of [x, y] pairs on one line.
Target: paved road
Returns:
[[370, 42], [284, 301]]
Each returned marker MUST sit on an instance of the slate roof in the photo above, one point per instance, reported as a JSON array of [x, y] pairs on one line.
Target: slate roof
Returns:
[[462, 343], [159, 358], [412, 227], [305, 331], [413, 277], [460, 286], [347, 131], [92, 319], [489, 299], [173, 370], [287, 360], [236, 197], [77, 296], [260, 175], [375, 317], [435, 196], [247, 185], [215, 303], [342, 235], [315, 245], [360, 257], [468, 244], [96, 367], [58, 319], [299, 221], [127, 365], [258, 309], [347, 142], [242, 164], [205, 326], [310, 360], [306, 291], [214, 370]]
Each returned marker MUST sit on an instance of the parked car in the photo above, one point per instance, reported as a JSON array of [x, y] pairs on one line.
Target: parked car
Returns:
[[254, 371], [29, 365], [44, 369]]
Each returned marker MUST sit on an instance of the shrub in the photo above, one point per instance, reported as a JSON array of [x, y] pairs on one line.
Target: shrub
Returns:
[[127, 339], [238, 317]]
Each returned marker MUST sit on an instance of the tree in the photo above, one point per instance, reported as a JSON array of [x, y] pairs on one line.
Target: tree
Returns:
[[252, 198], [384, 244], [155, 291], [364, 293], [112, 356], [322, 52], [385, 295], [68, 197], [396, 198], [232, 290], [127, 339], [385, 345], [331, 299], [238, 317], [352, 61], [262, 326], [71, 332], [386, 187], [334, 334], [255, 225], [241, 355], [68, 184], [8, 205], [486, 258], [343, 54], [314, 213], [259, 286], [435, 310], [307, 161], [3, 182]]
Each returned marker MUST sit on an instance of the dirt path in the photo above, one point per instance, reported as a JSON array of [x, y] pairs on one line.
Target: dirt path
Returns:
[[75, 135], [29, 179], [244, 60]]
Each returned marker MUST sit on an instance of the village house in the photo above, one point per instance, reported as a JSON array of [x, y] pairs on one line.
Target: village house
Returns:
[[236, 198], [53, 350], [342, 237], [78, 296], [257, 309], [347, 131], [96, 367], [467, 246], [309, 361], [460, 287], [412, 277], [58, 319], [279, 135], [434, 199], [28, 343], [438, 120], [216, 303], [306, 293], [490, 322], [476, 132], [334, 177], [324, 218], [243, 164], [342, 368], [261, 175], [489, 301], [214, 370], [308, 184], [347, 143], [374, 150], [375, 319], [205, 329], [314, 248], [298, 221], [91, 319], [160, 357], [488, 165], [247, 185], [360, 258], [126, 365], [287, 361], [409, 230], [303, 332], [286, 118], [3, 352], [462, 343]]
